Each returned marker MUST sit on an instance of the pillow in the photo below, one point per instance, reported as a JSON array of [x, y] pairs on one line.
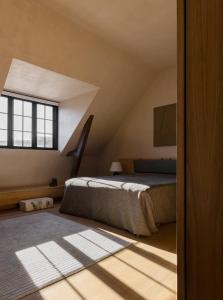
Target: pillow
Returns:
[[163, 166]]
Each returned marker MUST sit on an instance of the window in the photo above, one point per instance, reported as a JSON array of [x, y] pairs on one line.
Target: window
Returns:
[[27, 124]]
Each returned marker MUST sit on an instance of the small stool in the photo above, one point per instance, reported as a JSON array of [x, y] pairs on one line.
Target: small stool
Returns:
[[36, 204]]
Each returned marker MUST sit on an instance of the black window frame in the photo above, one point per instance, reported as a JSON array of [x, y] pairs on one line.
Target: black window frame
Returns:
[[34, 124]]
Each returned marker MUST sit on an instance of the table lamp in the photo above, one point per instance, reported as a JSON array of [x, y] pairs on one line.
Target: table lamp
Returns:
[[116, 168]]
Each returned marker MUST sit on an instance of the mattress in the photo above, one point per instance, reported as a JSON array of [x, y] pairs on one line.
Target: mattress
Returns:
[[137, 203]]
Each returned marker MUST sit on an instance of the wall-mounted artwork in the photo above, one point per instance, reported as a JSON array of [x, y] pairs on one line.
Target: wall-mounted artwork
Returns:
[[165, 125]]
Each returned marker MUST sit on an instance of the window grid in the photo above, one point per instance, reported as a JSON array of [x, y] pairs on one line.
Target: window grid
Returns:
[[47, 136], [27, 129], [3, 121], [24, 116]]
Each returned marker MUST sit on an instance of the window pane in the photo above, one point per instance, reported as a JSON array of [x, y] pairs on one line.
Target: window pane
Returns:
[[27, 139], [3, 137], [17, 138], [17, 123], [22, 123], [49, 141], [27, 109], [27, 124], [40, 125], [3, 121], [40, 140], [49, 113], [40, 111], [17, 107], [3, 104], [49, 127]]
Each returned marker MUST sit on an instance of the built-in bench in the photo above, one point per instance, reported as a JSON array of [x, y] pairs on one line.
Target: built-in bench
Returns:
[[9, 198]]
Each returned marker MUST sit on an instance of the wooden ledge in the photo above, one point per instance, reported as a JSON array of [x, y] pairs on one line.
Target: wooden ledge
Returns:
[[9, 197]]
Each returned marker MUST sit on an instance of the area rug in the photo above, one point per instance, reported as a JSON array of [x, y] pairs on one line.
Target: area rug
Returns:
[[39, 249]]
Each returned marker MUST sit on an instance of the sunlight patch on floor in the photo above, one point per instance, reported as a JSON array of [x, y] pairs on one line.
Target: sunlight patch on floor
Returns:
[[88, 284], [92, 251], [64, 262], [158, 251], [36, 265]]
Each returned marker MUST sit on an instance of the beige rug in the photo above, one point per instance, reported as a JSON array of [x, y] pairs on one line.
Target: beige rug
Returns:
[[39, 249]]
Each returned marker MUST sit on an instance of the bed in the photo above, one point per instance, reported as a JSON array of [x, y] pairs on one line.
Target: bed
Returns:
[[138, 202]]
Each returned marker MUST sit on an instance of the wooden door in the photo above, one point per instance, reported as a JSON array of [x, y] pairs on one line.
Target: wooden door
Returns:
[[200, 138]]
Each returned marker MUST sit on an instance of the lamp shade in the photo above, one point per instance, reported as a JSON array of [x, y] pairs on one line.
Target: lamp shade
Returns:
[[116, 167]]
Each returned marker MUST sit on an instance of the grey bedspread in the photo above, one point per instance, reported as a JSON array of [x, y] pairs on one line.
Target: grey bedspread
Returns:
[[135, 203]]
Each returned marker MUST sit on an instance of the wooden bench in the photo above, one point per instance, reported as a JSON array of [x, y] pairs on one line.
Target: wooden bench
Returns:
[[9, 198]]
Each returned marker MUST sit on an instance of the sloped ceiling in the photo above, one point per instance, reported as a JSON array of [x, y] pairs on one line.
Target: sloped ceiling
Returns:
[[146, 28], [93, 41]]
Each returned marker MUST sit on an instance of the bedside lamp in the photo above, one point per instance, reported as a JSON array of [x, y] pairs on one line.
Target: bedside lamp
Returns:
[[116, 167]]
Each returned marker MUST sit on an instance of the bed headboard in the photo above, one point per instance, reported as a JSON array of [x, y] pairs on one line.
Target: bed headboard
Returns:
[[165, 166]]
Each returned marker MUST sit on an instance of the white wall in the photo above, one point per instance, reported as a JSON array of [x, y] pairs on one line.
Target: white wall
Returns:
[[70, 114], [134, 138], [28, 167]]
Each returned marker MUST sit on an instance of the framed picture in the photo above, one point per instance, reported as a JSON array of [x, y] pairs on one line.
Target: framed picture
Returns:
[[165, 125]]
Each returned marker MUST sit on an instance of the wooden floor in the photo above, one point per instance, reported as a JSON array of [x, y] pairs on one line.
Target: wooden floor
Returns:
[[144, 270]]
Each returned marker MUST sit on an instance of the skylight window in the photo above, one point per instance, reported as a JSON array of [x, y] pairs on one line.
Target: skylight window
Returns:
[[28, 124]]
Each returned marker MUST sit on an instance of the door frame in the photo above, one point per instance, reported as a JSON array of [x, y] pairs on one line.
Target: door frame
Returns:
[[181, 153]]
